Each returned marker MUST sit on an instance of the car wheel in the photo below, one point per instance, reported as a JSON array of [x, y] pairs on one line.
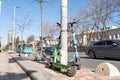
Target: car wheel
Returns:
[[92, 54]]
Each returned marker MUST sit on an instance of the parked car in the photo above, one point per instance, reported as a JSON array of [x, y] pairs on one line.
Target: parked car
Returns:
[[104, 48], [49, 50]]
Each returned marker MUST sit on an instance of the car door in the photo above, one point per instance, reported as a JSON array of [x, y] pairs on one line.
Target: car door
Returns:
[[100, 48], [116, 51], [113, 49]]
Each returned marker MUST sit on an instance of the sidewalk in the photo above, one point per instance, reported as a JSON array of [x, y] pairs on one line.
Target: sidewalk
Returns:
[[10, 70], [38, 71]]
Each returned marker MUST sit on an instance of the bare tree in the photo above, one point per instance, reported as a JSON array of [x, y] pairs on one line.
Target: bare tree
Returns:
[[30, 38], [116, 5], [97, 16], [22, 24], [50, 30]]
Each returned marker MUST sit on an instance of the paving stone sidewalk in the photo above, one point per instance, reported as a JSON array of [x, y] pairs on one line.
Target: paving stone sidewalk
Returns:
[[38, 71]]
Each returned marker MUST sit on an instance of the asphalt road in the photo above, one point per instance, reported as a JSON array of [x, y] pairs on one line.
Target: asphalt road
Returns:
[[91, 64]]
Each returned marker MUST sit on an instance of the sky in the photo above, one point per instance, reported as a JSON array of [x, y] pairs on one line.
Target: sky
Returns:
[[51, 14]]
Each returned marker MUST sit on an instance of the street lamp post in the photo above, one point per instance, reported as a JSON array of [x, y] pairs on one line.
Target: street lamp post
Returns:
[[14, 26]]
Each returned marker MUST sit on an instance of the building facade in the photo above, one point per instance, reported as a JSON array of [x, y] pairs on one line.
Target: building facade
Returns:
[[101, 34]]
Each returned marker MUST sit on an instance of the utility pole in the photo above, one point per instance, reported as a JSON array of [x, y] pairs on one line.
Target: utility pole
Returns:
[[41, 16], [21, 43], [63, 51]]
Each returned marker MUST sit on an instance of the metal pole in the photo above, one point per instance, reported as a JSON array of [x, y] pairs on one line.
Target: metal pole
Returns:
[[63, 51], [21, 44], [41, 1], [1, 44], [14, 28]]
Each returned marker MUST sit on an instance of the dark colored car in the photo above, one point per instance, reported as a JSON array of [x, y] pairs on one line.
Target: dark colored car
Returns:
[[104, 48], [49, 50]]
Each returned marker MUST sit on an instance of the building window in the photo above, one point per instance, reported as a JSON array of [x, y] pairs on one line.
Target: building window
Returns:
[[116, 37], [110, 36], [119, 36]]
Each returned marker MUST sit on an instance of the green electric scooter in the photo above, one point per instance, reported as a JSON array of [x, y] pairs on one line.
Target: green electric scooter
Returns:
[[73, 64]]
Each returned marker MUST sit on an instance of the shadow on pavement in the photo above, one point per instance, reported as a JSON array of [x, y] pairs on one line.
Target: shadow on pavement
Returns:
[[18, 58], [29, 72], [11, 60], [86, 57], [57, 70], [13, 76], [106, 58], [110, 59]]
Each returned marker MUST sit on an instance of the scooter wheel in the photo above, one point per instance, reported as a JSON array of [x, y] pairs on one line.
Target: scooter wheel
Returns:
[[78, 67], [72, 71], [49, 63], [78, 64]]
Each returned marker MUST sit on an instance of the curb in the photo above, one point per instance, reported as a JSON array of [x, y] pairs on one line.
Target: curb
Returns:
[[39, 72], [34, 73]]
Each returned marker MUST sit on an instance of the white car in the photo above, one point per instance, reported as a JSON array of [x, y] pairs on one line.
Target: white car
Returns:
[[11, 51]]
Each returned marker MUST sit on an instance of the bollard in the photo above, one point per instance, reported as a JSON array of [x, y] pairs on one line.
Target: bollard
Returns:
[[107, 69]]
